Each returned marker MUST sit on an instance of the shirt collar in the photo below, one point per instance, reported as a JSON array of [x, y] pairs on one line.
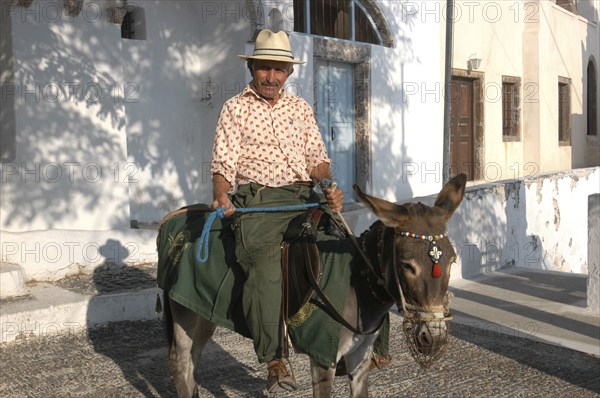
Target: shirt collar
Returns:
[[283, 95]]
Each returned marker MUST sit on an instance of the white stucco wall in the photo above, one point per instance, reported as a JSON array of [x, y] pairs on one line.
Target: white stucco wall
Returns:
[[541, 224], [538, 223], [149, 139], [493, 32], [185, 70], [51, 255], [112, 130], [70, 123], [536, 41], [407, 104]]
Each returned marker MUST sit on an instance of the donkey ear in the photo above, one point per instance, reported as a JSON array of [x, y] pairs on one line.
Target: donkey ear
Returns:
[[390, 213], [452, 194]]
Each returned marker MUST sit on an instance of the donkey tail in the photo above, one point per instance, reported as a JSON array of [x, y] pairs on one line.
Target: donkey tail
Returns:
[[168, 318]]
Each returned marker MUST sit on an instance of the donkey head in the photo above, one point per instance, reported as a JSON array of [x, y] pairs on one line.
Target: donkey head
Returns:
[[417, 270]]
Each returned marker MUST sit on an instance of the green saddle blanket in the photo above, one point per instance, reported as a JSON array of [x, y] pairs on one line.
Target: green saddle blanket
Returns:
[[214, 289]]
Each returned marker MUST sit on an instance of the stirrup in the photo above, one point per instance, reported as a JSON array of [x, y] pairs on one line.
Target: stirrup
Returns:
[[278, 376]]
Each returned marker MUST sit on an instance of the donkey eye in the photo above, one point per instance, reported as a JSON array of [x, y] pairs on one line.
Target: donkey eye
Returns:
[[408, 267]]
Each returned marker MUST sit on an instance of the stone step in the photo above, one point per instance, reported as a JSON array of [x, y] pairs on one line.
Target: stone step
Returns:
[[49, 310], [12, 281]]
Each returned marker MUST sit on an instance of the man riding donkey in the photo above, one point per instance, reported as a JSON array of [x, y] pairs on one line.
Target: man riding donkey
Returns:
[[267, 152]]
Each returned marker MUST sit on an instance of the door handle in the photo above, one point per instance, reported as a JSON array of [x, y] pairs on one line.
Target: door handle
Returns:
[[332, 134]]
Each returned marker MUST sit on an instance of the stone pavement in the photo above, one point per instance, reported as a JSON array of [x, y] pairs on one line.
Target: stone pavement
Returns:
[[129, 359], [545, 306], [499, 345]]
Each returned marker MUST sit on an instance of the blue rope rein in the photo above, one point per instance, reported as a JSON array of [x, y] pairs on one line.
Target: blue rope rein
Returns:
[[219, 212]]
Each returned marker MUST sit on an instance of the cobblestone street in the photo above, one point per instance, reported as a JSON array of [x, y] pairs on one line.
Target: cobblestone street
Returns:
[[129, 359]]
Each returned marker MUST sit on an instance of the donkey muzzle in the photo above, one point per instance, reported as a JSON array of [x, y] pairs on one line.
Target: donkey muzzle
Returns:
[[427, 336]]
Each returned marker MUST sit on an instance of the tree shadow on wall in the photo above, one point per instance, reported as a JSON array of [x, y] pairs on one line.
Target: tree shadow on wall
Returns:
[[91, 122], [68, 114]]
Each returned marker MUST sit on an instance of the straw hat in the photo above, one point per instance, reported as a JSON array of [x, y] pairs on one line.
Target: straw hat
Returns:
[[272, 46]]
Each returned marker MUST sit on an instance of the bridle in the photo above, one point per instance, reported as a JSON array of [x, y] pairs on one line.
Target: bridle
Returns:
[[434, 254], [415, 317]]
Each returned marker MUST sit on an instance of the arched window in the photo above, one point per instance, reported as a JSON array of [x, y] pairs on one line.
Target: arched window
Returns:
[[592, 99], [133, 26], [276, 20], [342, 19], [73, 7]]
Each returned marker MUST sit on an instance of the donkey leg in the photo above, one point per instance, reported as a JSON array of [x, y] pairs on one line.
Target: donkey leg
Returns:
[[322, 380], [359, 385], [190, 333], [181, 362]]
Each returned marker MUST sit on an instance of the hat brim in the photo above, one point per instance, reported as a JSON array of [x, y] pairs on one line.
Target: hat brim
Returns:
[[272, 58]]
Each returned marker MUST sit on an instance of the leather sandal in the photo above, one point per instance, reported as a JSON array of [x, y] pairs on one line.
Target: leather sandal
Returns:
[[379, 361], [279, 376]]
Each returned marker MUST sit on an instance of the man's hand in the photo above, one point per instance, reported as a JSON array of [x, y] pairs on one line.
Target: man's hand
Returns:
[[224, 203], [321, 174], [220, 192], [335, 198]]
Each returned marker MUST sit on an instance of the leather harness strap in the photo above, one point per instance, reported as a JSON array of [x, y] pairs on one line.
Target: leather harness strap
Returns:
[[366, 259], [329, 307]]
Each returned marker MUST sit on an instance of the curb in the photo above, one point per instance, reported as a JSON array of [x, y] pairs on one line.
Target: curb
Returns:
[[50, 310], [11, 280]]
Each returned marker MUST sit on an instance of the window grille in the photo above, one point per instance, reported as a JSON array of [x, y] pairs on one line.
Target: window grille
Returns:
[[341, 19], [592, 100], [564, 111], [511, 112]]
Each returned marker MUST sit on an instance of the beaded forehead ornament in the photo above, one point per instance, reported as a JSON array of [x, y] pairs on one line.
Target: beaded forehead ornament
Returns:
[[434, 252]]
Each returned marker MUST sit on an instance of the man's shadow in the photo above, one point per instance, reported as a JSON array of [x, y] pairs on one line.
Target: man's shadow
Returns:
[[137, 348]]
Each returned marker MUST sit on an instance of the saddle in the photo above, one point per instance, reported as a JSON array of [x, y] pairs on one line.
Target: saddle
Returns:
[[301, 266], [300, 258]]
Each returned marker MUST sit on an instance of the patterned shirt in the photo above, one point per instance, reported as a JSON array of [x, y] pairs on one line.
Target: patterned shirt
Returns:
[[269, 145]]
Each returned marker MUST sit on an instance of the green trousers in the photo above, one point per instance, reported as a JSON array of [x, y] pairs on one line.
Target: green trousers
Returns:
[[258, 250], [258, 238]]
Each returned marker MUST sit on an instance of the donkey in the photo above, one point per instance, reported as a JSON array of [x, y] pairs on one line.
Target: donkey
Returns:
[[405, 260]]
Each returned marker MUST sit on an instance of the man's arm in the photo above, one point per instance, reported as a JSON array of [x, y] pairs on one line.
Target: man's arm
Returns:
[[221, 188], [321, 171], [335, 197]]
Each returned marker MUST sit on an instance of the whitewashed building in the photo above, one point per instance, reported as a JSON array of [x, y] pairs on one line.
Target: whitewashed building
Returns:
[[528, 74], [109, 107]]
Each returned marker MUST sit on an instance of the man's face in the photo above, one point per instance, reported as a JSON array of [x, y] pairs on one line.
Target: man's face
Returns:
[[269, 76]]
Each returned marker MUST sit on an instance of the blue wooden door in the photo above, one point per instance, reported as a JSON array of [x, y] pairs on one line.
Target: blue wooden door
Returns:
[[335, 117]]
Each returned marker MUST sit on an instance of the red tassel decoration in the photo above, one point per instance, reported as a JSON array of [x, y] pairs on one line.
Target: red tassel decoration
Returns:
[[437, 270]]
